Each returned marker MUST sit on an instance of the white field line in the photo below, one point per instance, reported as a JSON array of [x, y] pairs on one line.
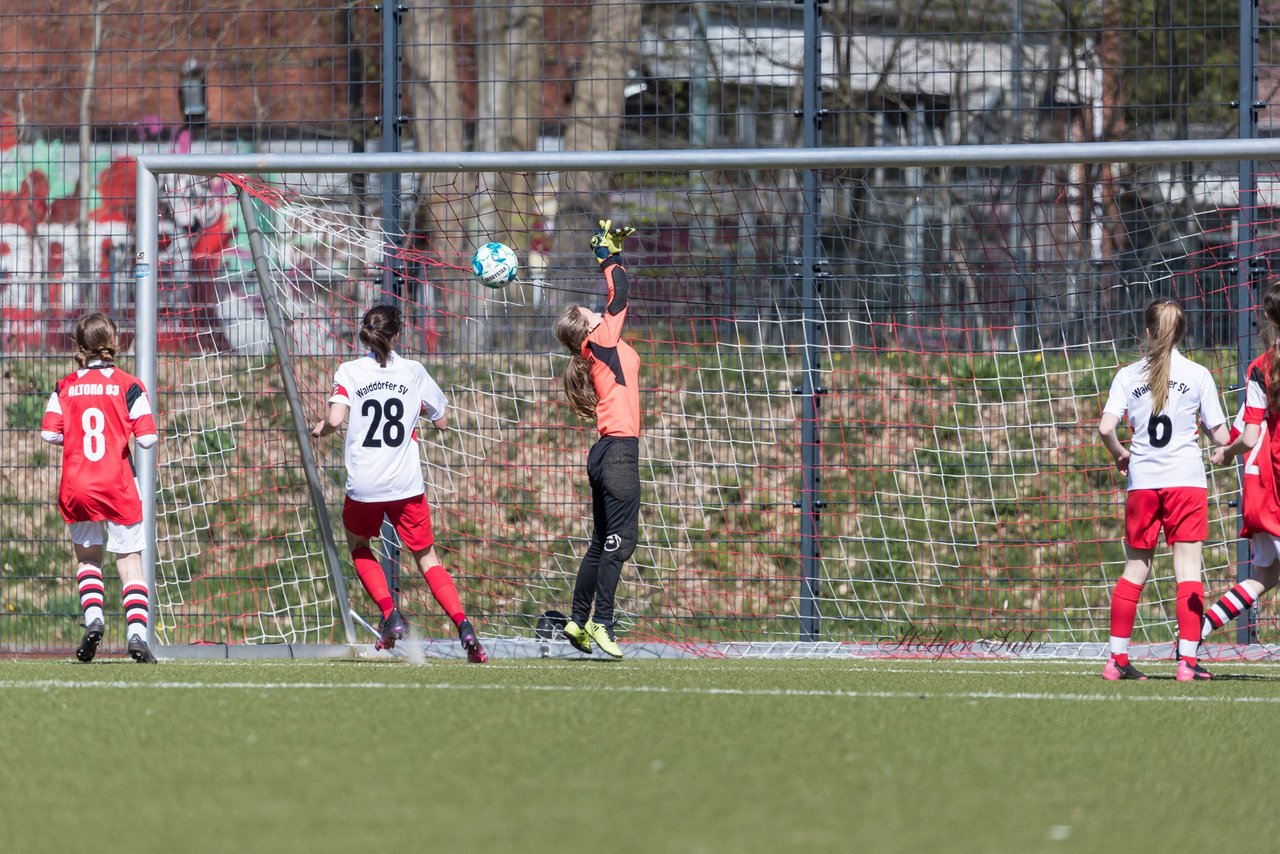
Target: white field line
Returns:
[[1067, 667], [992, 667], [71, 685]]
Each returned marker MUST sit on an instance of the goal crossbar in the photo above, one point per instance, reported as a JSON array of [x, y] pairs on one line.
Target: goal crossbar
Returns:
[[1020, 154]]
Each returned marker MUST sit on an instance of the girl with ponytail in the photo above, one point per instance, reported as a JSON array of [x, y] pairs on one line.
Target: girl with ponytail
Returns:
[[1260, 510], [1165, 397], [602, 383], [381, 396], [99, 414]]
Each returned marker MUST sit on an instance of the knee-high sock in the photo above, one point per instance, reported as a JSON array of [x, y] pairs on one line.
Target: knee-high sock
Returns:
[[1233, 603], [1124, 611], [92, 589], [136, 609], [441, 584], [1190, 615], [373, 578]]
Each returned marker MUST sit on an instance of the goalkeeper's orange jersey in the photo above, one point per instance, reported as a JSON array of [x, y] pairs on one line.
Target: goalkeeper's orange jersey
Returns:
[[615, 366]]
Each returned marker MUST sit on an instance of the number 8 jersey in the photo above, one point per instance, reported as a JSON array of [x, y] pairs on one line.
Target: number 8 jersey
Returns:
[[1165, 449], [381, 451], [92, 413]]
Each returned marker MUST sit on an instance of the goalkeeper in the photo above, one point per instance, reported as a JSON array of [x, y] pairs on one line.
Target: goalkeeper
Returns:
[[602, 382]]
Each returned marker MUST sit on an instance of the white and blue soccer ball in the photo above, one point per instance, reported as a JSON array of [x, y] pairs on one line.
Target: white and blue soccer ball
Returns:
[[495, 264]]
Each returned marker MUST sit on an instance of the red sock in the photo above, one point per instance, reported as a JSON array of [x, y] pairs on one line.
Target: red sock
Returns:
[[1124, 611], [373, 578], [1190, 615], [441, 583]]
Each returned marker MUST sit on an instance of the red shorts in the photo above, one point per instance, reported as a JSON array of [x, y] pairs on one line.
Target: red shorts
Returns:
[[1182, 511], [410, 516]]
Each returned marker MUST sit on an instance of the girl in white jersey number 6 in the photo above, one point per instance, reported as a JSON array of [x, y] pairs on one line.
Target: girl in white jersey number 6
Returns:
[[381, 395], [1166, 397]]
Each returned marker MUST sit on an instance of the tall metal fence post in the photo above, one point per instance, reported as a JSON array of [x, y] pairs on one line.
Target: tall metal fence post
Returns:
[[392, 230], [811, 265], [1248, 268]]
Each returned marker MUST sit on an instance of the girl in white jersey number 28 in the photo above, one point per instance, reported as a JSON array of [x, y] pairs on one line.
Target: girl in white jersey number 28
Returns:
[[381, 396], [1166, 397]]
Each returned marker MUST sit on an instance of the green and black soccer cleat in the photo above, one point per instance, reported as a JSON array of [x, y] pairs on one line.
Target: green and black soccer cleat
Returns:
[[577, 637], [602, 634]]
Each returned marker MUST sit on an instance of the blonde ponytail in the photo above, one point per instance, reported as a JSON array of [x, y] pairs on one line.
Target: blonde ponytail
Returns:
[[1165, 325]]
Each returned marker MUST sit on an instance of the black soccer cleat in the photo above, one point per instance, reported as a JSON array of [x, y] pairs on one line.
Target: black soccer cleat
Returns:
[[139, 651], [88, 647], [471, 643], [392, 629]]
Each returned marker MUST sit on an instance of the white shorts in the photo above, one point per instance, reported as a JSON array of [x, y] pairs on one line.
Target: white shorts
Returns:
[[1266, 549], [121, 539]]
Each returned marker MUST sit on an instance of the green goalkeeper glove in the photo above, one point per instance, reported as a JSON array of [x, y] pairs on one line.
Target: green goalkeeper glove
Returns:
[[608, 240]]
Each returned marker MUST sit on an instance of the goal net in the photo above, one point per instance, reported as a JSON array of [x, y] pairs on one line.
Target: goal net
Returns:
[[961, 323]]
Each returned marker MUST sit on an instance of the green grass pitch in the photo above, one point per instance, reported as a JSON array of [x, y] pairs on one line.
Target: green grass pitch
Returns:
[[637, 756]]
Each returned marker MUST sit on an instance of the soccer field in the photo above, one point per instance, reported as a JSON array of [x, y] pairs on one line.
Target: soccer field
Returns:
[[684, 756]]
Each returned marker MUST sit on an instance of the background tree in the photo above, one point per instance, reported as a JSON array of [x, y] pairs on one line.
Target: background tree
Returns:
[[595, 112]]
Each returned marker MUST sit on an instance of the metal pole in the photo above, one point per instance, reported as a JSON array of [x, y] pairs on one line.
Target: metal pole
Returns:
[[914, 232], [698, 79], [810, 386], [267, 287], [391, 120], [146, 296], [1022, 321], [903, 156], [1247, 269], [392, 230]]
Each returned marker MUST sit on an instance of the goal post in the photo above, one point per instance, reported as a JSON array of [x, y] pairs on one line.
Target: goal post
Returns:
[[971, 304]]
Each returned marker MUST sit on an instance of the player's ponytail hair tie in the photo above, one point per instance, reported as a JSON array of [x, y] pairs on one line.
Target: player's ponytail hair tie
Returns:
[[96, 339], [378, 329], [571, 330]]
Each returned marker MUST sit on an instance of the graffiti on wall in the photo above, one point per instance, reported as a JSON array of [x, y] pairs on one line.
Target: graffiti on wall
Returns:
[[62, 254]]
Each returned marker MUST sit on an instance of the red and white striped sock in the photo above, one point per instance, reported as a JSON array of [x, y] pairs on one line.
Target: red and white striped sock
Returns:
[[1233, 603], [135, 609], [89, 578]]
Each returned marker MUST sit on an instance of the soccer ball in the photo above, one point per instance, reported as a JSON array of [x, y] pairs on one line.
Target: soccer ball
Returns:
[[495, 264]]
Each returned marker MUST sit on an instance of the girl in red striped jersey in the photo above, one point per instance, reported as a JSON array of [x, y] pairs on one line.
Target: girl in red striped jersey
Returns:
[[1260, 504], [1165, 398], [92, 414]]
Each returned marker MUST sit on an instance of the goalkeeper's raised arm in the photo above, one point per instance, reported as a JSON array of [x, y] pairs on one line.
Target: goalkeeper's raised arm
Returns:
[[606, 243]]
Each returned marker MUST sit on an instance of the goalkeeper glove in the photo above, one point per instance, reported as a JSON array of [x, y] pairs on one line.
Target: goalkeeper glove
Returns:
[[608, 240]]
